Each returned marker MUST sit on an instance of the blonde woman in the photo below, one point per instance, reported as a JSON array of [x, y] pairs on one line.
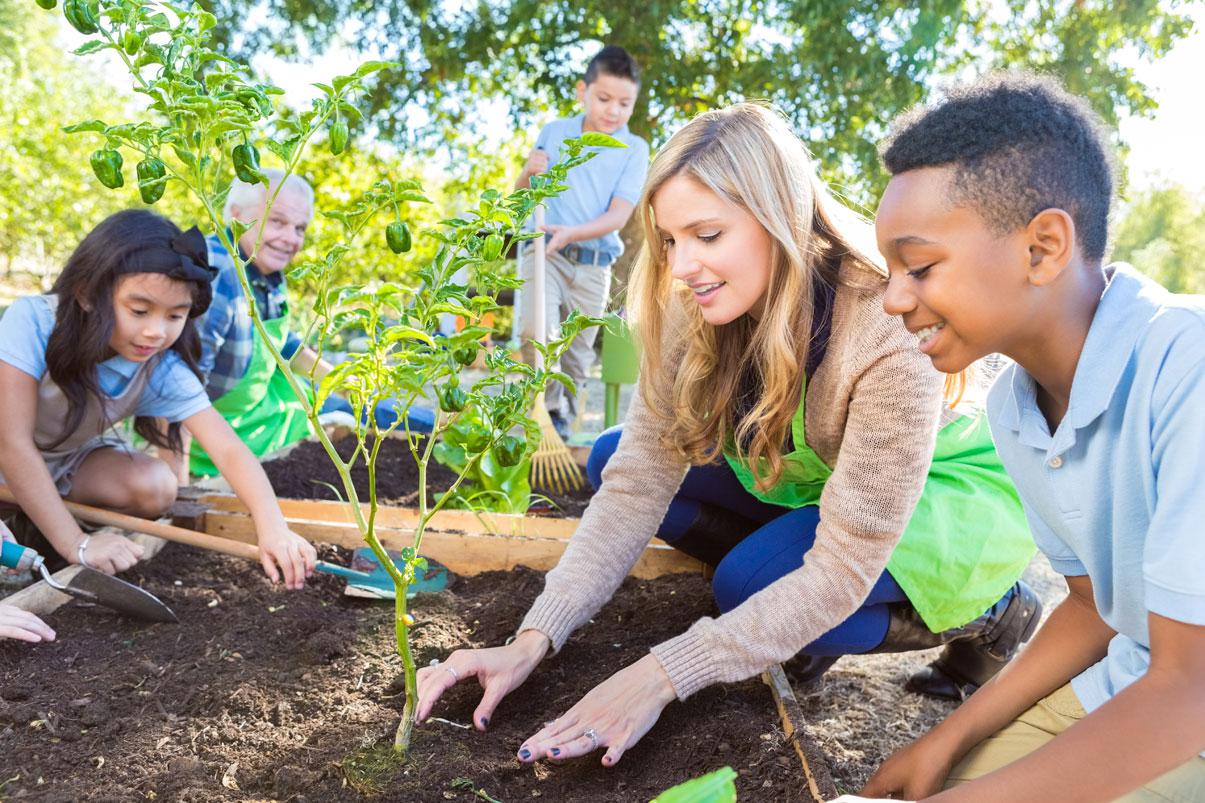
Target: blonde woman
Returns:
[[783, 432]]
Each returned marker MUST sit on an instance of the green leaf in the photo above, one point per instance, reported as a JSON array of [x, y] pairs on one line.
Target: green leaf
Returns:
[[205, 21], [238, 228], [600, 140], [564, 379], [285, 149], [91, 125], [369, 67], [91, 47], [716, 787], [396, 333]]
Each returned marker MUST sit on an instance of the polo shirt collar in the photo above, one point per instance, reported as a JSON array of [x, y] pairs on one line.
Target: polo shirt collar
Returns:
[[1126, 307], [121, 366]]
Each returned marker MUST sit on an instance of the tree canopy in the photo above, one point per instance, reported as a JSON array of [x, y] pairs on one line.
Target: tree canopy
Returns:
[[839, 70], [1162, 233], [48, 196]]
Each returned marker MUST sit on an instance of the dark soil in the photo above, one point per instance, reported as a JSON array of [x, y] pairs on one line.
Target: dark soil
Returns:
[[265, 694], [306, 472]]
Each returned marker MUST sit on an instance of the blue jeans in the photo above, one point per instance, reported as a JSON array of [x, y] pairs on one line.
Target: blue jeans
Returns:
[[776, 548], [421, 419]]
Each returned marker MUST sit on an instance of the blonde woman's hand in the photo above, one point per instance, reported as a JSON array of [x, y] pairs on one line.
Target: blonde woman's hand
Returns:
[[615, 714], [499, 670]]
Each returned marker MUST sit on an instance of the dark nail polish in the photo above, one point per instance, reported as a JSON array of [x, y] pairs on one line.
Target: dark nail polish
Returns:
[[524, 754], [556, 751], [485, 722]]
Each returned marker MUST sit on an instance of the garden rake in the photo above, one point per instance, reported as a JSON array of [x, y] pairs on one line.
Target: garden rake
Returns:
[[552, 465]]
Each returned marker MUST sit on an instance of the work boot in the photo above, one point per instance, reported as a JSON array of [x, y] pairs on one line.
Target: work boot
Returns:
[[713, 534], [973, 653], [804, 670]]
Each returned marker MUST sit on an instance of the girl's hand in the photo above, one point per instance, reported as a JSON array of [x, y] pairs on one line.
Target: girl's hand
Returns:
[[107, 552], [22, 625], [615, 715], [295, 556], [7, 535], [499, 670], [913, 772]]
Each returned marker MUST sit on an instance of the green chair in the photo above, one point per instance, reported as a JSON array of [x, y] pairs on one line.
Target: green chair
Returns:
[[620, 365]]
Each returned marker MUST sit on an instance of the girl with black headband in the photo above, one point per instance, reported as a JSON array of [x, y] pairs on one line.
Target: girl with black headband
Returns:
[[115, 339]]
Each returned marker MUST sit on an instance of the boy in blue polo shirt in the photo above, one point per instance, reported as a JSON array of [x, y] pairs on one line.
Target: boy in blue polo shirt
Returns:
[[995, 228], [583, 222]]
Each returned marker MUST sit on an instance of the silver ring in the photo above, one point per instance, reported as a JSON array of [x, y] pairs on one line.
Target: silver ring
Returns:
[[433, 662], [593, 735], [83, 546], [452, 671]]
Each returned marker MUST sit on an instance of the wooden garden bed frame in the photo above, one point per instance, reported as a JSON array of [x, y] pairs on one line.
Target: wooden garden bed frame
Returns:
[[464, 542]]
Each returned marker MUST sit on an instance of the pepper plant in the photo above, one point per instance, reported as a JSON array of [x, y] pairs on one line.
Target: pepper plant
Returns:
[[206, 118]]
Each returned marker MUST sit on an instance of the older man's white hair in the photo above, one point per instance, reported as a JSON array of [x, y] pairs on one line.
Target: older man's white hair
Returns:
[[246, 196]]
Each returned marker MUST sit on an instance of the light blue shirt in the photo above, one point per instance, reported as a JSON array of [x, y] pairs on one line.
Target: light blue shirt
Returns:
[[612, 173], [1116, 492], [173, 392]]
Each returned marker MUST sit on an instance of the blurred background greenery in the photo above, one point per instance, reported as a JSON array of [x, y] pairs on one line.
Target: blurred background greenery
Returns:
[[479, 78]]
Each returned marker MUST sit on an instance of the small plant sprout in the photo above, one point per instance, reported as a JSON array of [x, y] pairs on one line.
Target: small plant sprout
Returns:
[[206, 119]]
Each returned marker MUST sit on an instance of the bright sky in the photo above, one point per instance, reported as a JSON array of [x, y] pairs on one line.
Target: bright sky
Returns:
[[1167, 147]]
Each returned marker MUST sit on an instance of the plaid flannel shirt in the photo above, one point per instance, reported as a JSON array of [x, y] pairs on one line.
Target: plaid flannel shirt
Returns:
[[226, 330]]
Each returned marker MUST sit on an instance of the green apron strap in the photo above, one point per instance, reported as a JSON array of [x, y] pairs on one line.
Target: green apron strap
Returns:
[[262, 408], [967, 541], [803, 472]]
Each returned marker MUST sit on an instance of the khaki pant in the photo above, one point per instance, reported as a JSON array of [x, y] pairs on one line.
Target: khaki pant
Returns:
[[1051, 716], [568, 285]]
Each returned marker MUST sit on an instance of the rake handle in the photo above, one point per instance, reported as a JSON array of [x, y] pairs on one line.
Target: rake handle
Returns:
[[538, 281]]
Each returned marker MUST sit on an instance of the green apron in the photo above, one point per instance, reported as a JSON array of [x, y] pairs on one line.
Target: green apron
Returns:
[[967, 541], [262, 408]]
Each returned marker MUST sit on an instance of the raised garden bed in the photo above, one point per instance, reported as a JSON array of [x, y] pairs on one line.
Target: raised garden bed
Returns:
[[265, 694]]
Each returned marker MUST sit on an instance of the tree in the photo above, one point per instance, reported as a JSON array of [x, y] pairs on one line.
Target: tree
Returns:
[[1162, 233], [48, 196], [839, 70]]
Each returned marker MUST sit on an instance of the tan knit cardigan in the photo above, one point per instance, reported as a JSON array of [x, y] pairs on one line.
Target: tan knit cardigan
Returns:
[[872, 413]]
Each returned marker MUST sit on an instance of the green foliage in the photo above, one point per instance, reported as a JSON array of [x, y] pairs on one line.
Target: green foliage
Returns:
[[715, 787], [1162, 233], [840, 71], [498, 479], [205, 117], [48, 194]]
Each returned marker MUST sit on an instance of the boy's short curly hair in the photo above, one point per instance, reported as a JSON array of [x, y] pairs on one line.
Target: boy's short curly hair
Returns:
[[612, 60], [1019, 143]]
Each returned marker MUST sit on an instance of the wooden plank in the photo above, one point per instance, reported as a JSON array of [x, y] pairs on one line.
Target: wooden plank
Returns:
[[463, 553], [39, 598], [811, 757], [405, 518]]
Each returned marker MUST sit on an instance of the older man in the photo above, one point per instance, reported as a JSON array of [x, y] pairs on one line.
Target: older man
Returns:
[[243, 380]]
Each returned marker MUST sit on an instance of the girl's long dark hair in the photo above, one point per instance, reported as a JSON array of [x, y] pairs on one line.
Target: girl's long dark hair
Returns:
[[85, 319]]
